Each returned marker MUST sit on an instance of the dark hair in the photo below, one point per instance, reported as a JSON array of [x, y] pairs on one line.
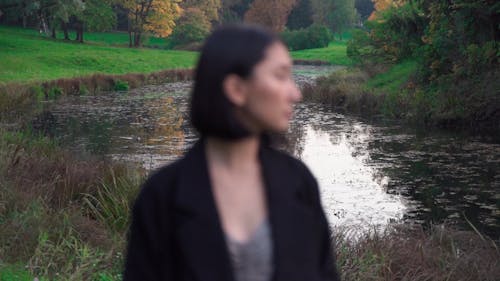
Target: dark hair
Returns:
[[234, 49]]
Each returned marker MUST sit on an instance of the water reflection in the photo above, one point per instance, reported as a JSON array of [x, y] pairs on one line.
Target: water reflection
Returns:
[[369, 173], [352, 192]]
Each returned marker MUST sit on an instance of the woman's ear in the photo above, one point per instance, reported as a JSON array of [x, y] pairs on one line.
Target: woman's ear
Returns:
[[234, 89]]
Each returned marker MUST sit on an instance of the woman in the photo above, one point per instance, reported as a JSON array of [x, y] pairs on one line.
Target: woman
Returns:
[[234, 209]]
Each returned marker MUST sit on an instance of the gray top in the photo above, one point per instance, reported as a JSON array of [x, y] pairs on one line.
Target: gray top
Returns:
[[253, 259]]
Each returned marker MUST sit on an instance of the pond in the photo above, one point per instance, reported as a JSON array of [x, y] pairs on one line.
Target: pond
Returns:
[[370, 173]]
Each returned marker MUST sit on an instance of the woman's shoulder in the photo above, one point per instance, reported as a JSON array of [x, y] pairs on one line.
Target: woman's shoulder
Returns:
[[159, 184], [280, 158]]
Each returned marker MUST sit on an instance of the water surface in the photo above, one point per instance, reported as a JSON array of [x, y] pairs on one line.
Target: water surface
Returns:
[[370, 173]]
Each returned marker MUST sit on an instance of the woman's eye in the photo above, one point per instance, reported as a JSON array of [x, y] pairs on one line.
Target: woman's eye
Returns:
[[282, 76]]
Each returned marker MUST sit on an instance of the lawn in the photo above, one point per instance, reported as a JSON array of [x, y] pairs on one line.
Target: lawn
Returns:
[[114, 38], [335, 54], [27, 56], [392, 80]]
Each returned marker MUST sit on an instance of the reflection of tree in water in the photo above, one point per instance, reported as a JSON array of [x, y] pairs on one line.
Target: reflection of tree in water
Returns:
[[166, 127]]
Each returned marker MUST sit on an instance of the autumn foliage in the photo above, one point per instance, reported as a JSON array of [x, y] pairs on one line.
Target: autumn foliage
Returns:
[[270, 13], [155, 16], [381, 5]]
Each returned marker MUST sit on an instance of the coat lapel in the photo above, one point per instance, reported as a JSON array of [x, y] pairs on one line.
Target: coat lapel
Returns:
[[198, 226], [199, 229], [290, 215]]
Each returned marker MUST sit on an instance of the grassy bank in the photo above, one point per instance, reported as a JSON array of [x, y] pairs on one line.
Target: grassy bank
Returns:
[[335, 54], [26, 57], [64, 216], [391, 91]]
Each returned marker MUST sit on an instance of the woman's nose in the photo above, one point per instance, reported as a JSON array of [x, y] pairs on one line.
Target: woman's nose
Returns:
[[295, 93]]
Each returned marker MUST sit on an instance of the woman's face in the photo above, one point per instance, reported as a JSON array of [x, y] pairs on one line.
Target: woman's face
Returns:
[[270, 92]]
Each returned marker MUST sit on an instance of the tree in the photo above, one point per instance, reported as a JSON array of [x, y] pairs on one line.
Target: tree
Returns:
[[382, 5], [211, 8], [301, 15], [234, 10], [63, 11], [155, 16], [365, 8], [335, 14], [14, 11], [192, 27], [97, 15], [270, 13]]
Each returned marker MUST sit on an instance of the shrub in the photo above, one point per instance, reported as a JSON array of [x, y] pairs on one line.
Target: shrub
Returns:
[[315, 36], [54, 93], [392, 37], [19, 103], [112, 202], [121, 85], [83, 90], [193, 27]]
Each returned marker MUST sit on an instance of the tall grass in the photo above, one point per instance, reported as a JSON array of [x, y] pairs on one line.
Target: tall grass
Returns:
[[48, 223], [78, 232], [405, 252], [111, 203], [345, 90]]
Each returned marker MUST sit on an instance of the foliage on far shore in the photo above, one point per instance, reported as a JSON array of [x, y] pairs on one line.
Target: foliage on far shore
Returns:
[[428, 62], [314, 36]]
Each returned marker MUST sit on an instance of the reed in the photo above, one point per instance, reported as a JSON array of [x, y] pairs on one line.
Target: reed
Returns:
[[410, 252]]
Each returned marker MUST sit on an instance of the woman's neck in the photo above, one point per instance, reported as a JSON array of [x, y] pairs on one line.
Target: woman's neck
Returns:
[[233, 153]]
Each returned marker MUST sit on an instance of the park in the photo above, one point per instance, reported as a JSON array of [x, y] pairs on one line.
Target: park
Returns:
[[399, 123]]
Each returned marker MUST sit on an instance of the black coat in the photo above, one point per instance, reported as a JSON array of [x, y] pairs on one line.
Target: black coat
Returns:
[[176, 234]]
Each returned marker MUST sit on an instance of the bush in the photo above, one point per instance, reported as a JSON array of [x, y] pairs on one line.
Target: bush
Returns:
[[315, 36], [54, 93], [121, 85], [393, 36]]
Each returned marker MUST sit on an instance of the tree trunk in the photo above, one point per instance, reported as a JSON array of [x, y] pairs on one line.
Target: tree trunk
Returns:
[[64, 27], [53, 33], [25, 20], [43, 24], [79, 31], [129, 34], [137, 39]]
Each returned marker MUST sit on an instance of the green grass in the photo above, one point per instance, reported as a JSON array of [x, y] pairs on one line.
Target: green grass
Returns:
[[335, 54], [26, 56], [392, 80], [115, 38], [14, 273]]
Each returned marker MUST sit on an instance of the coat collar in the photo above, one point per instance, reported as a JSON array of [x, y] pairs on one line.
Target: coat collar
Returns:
[[201, 225]]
